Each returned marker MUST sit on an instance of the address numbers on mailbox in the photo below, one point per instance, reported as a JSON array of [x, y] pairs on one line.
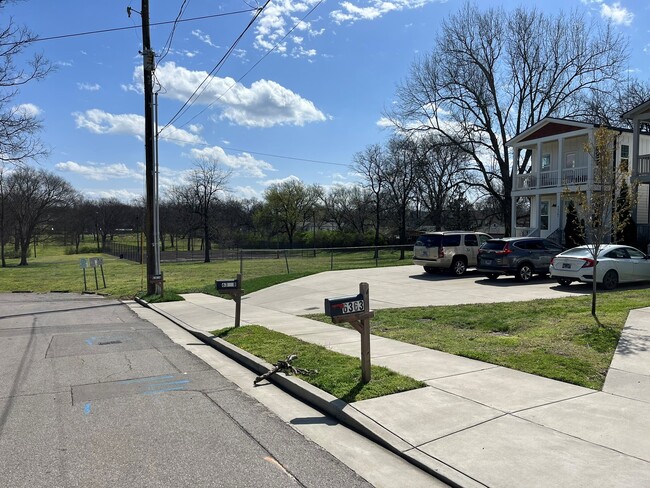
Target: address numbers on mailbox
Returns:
[[227, 284], [335, 307]]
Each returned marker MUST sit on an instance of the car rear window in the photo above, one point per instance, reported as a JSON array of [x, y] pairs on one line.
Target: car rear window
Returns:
[[494, 245], [577, 251], [451, 240], [429, 240], [535, 245]]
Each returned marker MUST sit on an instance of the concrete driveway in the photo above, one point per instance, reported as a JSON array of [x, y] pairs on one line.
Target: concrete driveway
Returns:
[[404, 286]]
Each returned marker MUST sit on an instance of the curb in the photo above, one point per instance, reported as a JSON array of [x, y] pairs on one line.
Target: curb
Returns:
[[330, 405]]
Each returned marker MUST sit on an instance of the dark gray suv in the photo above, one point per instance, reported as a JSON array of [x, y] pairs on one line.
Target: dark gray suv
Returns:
[[519, 256]]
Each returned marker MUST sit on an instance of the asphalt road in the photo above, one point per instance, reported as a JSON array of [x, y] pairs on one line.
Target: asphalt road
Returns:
[[92, 395]]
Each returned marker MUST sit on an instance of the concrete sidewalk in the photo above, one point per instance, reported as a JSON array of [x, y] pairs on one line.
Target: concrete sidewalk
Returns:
[[484, 425]]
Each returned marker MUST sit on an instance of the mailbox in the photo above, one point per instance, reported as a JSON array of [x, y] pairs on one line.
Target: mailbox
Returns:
[[226, 285], [335, 307]]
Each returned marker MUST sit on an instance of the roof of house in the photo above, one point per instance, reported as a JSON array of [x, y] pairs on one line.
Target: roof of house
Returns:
[[641, 111], [547, 127]]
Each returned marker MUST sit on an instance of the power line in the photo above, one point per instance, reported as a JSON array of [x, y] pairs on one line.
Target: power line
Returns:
[[208, 78], [257, 153], [168, 45], [117, 29], [268, 52]]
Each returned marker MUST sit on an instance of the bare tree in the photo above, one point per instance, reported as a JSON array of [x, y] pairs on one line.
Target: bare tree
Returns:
[[442, 172], [493, 73], [401, 175], [370, 165], [206, 181], [34, 195], [604, 208], [608, 107], [6, 217], [349, 208], [19, 126]]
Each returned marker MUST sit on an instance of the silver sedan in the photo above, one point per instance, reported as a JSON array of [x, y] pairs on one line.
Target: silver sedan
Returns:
[[616, 264]]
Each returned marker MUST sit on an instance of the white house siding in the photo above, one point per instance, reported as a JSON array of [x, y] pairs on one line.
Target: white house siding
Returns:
[[643, 202]]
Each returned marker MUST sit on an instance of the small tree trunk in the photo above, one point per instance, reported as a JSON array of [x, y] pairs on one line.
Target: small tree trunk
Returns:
[[594, 294], [206, 244]]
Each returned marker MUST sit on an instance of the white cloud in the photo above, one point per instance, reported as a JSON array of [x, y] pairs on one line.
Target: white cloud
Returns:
[[275, 22], [267, 183], [616, 13], [28, 109], [385, 123], [243, 163], [99, 171], [351, 12], [125, 196], [264, 104], [246, 193], [205, 38], [88, 86], [613, 12], [99, 122]]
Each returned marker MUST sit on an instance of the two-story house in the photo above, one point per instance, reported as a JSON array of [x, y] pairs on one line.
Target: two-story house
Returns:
[[560, 165]]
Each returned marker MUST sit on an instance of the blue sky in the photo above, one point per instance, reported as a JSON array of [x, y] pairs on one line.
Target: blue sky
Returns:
[[302, 112]]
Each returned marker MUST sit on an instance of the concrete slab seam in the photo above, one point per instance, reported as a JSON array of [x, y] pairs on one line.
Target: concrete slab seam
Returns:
[[318, 399]]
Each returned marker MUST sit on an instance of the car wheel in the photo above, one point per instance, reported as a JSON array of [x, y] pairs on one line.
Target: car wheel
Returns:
[[524, 272], [610, 280], [564, 281], [458, 266], [492, 276], [430, 270]]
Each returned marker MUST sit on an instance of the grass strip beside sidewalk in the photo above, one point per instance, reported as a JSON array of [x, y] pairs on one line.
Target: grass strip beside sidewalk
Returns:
[[338, 374], [554, 338]]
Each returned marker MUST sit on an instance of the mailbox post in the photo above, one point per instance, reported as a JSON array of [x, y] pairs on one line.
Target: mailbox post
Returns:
[[356, 311], [232, 288]]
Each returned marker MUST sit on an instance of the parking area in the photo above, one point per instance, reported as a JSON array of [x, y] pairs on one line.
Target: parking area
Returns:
[[405, 286]]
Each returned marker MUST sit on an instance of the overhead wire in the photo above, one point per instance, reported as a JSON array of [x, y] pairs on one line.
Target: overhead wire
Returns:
[[257, 153], [268, 52], [168, 44], [167, 22], [208, 78]]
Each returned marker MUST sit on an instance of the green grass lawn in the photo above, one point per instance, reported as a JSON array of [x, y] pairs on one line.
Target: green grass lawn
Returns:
[[54, 270], [338, 374], [556, 338]]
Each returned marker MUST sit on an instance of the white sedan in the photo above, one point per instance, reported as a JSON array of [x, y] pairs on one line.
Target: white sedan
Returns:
[[616, 264]]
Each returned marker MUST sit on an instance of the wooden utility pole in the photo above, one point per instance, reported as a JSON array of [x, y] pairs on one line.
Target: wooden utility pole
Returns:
[[148, 66]]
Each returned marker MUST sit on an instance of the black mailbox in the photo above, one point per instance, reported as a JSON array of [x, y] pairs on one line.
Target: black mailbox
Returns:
[[226, 285], [335, 307]]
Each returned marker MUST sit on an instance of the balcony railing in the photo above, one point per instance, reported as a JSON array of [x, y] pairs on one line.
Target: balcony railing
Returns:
[[552, 179], [644, 165]]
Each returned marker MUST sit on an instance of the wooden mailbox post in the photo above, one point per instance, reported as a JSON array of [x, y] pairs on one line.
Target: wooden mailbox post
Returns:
[[356, 311], [232, 288]]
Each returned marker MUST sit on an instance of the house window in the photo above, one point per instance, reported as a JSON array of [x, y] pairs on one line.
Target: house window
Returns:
[[625, 157], [546, 162], [570, 160], [543, 216]]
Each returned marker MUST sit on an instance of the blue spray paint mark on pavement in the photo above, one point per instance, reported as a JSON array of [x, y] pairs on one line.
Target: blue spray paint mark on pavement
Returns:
[[87, 408], [155, 392], [147, 380], [91, 340]]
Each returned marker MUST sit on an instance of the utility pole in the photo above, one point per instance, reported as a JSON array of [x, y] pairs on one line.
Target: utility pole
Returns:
[[148, 66]]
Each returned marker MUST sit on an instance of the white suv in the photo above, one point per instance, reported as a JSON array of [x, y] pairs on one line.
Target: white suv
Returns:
[[451, 250]]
